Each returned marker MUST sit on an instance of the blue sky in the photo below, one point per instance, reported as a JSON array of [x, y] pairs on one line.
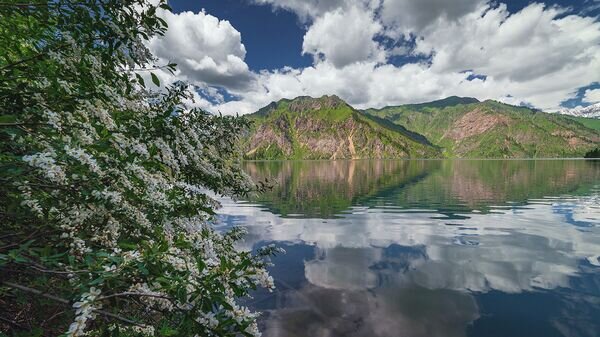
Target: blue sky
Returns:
[[243, 54]]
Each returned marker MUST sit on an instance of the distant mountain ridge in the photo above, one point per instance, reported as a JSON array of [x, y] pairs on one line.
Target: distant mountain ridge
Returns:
[[329, 128], [442, 103], [467, 128], [592, 111]]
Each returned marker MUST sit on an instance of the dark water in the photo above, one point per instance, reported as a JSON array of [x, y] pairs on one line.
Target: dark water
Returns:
[[428, 248]]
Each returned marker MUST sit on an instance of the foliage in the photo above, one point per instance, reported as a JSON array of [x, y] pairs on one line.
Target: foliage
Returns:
[[595, 153], [106, 185]]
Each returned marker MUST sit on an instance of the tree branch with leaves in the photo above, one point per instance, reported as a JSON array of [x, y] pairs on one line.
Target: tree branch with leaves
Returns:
[[107, 190]]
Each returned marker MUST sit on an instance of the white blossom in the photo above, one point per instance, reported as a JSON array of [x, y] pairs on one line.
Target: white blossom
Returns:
[[46, 162], [84, 311]]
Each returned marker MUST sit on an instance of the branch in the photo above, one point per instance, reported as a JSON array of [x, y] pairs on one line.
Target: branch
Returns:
[[37, 292], [58, 313], [31, 236], [42, 269], [135, 70], [38, 55], [134, 294], [4, 4], [9, 235], [12, 322], [66, 302], [25, 60], [13, 124]]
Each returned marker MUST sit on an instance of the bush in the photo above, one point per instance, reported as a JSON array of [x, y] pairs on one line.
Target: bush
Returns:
[[593, 154], [106, 204]]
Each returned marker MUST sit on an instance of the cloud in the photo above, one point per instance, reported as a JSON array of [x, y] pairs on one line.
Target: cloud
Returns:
[[521, 47], [539, 55], [390, 310], [305, 9], [475, 254], [534, 54], [409, 16], [207, 50], [362, 84], [354, 43], [592, 96]]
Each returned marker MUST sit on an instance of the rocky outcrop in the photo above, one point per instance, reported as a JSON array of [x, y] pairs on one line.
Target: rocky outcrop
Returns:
[[475, 123]]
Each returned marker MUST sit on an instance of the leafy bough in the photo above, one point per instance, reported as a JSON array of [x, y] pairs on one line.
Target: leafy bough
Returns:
[[105, 206]]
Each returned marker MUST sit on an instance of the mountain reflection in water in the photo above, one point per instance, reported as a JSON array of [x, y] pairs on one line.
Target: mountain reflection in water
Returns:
[[427, 248]]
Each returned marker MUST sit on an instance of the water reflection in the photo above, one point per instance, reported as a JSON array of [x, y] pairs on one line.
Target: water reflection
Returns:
[[428, 248], [325, 188]]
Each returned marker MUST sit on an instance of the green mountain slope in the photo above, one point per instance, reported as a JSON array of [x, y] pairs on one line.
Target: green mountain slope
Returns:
[[467, 128], [591, 123], [328, 128]]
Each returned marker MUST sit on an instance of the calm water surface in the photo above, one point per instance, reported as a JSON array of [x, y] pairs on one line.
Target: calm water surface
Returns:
[[427, 248]]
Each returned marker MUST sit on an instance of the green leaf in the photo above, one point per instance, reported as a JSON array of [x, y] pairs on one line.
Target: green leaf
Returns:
[[167, 331], [97, 281], [155, 79], [140, 80], [8, 118]]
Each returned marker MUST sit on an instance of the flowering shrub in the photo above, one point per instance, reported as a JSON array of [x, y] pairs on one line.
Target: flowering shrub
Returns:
[[105, 203]]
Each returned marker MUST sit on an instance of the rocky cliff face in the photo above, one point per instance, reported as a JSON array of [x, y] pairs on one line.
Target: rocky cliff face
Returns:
[[327, 128]]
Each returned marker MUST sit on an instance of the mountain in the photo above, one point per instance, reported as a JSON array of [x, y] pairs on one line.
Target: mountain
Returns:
[[592, 111], [328, 128], [467, 128]]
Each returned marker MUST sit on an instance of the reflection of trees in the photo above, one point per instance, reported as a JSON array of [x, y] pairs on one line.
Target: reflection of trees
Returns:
[[327, 188], [478, 184]]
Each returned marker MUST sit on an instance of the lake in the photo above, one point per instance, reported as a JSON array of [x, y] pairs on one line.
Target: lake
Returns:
[[427, 247]]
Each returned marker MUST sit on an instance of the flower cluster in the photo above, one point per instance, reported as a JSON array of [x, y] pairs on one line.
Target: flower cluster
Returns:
[[110, 197], [84, 310]]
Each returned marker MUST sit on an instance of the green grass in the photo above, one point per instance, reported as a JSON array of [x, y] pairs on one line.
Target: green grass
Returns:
[[592, 123]]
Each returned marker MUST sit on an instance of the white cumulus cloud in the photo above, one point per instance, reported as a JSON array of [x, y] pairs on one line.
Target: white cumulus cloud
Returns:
[[305, 9], [344, 36], [592, 96], [207, 50], [409, 16]]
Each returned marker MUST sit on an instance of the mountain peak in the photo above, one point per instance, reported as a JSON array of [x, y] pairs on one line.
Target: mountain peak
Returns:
[[302, 104], [307, 103], [591, 111], [448, 102], [328, 128]]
